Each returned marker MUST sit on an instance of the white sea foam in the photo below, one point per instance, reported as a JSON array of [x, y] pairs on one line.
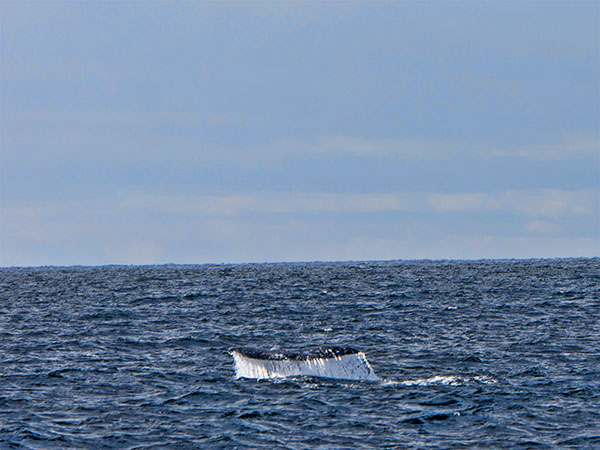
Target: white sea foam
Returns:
[[347, 367], [453, 380]]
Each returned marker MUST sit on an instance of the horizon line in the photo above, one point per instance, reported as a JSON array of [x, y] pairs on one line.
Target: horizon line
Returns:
[[357, 261]]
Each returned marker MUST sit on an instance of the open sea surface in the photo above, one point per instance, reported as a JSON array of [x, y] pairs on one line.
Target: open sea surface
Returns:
[[484, 354]]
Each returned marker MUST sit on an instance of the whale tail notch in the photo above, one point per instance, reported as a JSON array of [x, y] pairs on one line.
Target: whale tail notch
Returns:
[[328, 362]]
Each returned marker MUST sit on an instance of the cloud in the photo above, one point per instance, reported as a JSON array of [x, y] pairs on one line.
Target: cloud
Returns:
[[369, 147], [540, 226], [539, 202], [236, 204], [571, 147], [490, 246], [551, 203], [462, 202], [111, 118], [140, 228], [180, 139]]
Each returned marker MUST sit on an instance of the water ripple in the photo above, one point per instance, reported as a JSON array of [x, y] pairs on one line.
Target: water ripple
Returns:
[[486, 354]]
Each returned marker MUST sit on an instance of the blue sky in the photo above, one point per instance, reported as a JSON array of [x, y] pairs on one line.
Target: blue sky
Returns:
[[193, 132]]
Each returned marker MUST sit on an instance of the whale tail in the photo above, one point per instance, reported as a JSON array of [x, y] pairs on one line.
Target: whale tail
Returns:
[[329, 362]]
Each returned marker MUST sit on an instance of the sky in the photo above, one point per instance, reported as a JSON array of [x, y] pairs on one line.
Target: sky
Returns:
[[214, 132]]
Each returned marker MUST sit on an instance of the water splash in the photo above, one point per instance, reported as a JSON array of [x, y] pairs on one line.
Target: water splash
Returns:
[[453, 380]]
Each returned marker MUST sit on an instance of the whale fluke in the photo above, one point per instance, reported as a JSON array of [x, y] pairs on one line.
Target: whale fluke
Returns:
[[328, 361]]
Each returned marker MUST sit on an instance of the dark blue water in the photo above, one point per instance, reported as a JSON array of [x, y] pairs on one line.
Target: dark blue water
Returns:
[[491, 354]]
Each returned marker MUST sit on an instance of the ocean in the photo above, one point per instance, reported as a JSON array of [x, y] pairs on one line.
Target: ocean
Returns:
[[469, 354]]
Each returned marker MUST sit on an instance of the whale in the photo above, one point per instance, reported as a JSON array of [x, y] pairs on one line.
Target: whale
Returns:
[[338, 362]]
